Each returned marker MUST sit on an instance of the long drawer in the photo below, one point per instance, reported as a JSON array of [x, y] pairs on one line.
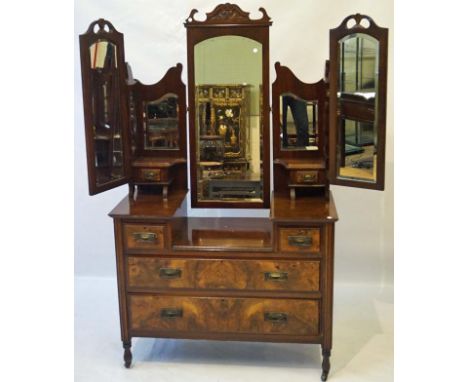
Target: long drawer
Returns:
[[209, 274], [150, 313]]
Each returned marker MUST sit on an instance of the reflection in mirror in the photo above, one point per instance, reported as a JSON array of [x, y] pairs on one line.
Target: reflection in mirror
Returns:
[[298, 123], [228, 79], [161, 129], [358, 105], [105, 110]]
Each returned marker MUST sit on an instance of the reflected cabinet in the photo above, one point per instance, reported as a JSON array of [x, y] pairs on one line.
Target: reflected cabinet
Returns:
[[207, 145]]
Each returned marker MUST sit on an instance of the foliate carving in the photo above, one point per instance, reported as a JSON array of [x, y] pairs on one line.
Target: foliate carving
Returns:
[[227, 14]]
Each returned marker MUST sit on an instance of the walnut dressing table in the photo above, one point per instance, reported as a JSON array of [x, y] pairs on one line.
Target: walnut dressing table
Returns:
[[220, 278], [256, 279]]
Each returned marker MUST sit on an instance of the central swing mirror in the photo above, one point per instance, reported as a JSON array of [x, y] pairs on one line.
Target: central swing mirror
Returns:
[[228, 92], [228, 79]]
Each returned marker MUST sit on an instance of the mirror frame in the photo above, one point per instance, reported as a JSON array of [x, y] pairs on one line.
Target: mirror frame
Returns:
[[105, 31], [381, 35], [171, 83], [230, 20]]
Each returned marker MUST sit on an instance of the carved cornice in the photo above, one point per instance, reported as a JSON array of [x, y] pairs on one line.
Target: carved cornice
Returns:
[[227, 14]]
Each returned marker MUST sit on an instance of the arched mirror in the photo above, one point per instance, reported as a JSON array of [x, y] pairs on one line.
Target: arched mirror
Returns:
[[228, 105], [358, 85]]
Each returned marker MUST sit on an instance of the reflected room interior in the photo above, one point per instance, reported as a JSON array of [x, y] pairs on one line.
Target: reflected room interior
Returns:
[[299, 123], [228, 82], [108, 158], [161, 131], [357, 99]]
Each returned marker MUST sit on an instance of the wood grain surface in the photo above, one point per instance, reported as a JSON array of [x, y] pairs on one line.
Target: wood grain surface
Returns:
[[209, 274], [224, 315]]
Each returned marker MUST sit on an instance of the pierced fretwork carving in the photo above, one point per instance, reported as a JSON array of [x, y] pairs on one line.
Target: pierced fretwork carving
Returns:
[[103, 26]]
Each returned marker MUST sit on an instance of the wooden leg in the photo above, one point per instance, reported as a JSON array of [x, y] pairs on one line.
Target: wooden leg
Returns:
[[131, 189], [325, 363], [165, 189], [127, 353]]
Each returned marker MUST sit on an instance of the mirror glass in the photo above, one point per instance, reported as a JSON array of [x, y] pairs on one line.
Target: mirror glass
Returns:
[[299, 121], [160, 123], [357, 108], [108, 155], [228, 83]]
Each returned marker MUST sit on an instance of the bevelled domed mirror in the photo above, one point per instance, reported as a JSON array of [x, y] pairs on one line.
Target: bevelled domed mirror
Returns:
[[358, 87], [228, 81]]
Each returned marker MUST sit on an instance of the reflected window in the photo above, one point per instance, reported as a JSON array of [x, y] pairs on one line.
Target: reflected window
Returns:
[[161, 129]]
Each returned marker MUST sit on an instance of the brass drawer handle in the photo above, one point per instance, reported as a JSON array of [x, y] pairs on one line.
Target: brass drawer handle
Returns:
[[275, 317], [148, 175], [300, 241], [145, 237], [152, 175], [309, 177], [170, 273], [172, 313], [276, 276]]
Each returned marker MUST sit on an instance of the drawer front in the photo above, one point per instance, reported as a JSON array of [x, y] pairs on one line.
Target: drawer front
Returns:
[[302, 239], [149, 175], [254, 275], [141, 236], [307, 177], [224, 315]]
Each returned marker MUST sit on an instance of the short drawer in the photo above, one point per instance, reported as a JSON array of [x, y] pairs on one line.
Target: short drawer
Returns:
[[149, 175], [305, 177], [151, 313], [300, 239], [208, 274], [141, 236]]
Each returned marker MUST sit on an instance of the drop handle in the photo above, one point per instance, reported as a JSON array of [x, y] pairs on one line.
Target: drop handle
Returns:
[[310, 177], [276, 276], [170, 273], [275, 317], [145, 237], [171, 313], [300, 241]]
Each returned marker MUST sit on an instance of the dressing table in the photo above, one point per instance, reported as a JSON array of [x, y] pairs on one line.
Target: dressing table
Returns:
[[218, 278]]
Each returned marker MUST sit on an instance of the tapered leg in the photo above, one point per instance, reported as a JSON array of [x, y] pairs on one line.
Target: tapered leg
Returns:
[[127, 353], [325, 363]]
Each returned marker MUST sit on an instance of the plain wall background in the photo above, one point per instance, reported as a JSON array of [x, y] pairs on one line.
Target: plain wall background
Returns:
[[155, 39]]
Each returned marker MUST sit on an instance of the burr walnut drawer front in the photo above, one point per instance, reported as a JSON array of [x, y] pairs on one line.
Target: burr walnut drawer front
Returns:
[[149, 313], [144, 236], [302, 239], [208, 274]]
